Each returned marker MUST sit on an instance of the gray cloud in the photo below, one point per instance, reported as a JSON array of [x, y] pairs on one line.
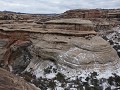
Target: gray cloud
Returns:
[[54, 6]]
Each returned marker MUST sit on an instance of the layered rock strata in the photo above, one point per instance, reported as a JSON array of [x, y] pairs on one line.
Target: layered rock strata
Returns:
[[71, 51]]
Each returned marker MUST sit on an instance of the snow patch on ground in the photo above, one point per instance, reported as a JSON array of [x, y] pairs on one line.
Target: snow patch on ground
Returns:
[[50, 76], [106, 74]]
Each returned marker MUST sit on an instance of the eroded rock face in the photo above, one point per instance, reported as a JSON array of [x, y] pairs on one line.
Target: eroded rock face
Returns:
[[70, 51], [51, 53]]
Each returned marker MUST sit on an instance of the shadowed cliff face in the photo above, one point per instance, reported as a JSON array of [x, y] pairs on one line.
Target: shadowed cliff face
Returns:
[[14, 50]]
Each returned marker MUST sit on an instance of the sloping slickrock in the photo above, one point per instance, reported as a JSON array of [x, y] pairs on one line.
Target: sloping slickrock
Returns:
[[87, 53], [72, 54]]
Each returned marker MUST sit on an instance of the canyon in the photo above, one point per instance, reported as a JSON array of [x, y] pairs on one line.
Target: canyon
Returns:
[[72, 44]]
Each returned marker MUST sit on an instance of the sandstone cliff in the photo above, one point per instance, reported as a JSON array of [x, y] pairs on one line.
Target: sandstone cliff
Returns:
[[72, 50], [92, 13]]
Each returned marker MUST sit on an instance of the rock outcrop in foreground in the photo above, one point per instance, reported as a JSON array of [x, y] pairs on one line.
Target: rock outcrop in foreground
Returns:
[[9, 81]]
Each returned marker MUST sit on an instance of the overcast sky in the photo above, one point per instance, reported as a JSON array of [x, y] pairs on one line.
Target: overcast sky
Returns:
[[54, 6]]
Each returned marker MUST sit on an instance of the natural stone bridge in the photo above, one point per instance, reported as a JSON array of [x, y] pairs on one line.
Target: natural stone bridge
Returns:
[[33, 47]]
